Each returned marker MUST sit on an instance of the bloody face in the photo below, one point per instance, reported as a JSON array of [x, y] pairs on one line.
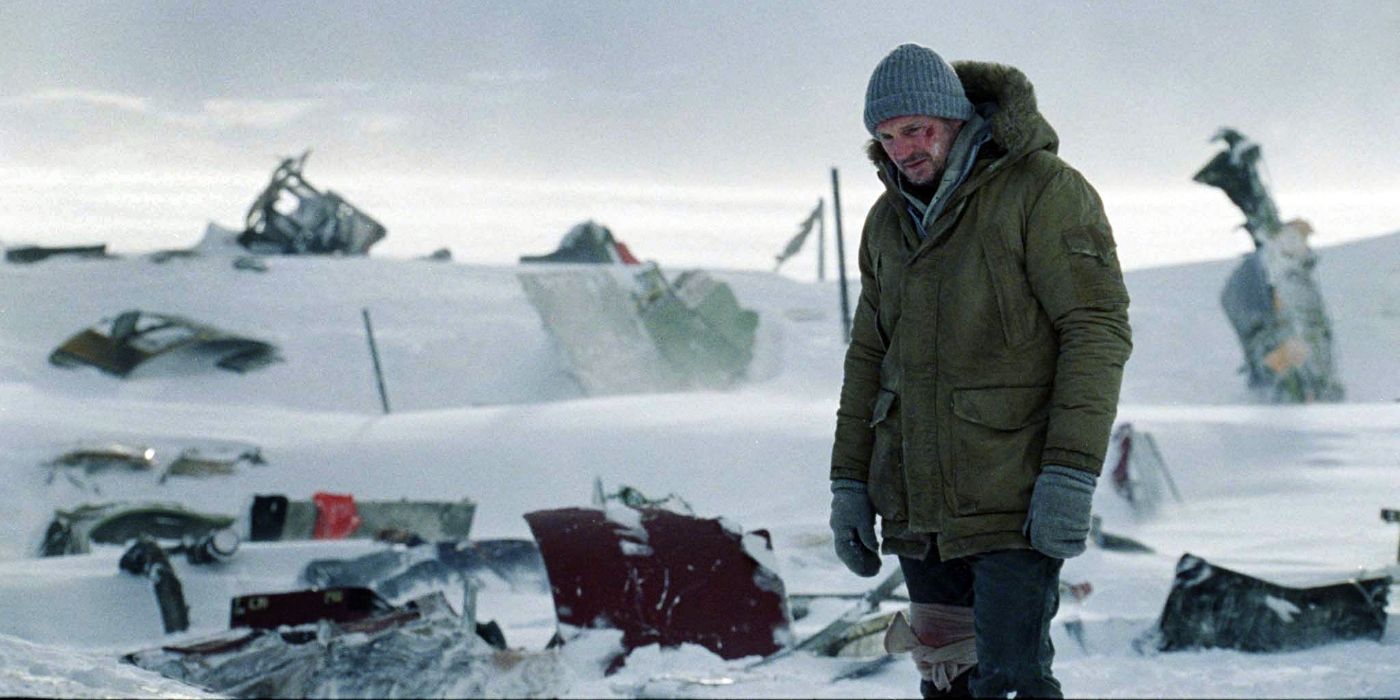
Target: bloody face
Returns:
[[918, 144]]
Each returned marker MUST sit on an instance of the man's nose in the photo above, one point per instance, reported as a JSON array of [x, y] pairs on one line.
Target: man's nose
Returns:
[[899, 149]]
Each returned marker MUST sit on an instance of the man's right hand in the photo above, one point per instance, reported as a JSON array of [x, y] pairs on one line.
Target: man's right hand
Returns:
[[853, 527]]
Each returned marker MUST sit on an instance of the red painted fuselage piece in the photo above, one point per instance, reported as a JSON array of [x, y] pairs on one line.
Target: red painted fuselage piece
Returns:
[[662, 578]]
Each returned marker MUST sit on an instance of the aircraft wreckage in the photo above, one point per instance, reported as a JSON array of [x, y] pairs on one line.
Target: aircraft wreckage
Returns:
[[124, 342], [293, 217], [662, 335], [402, 619], [624, 327], [1272, 300], [290, 216], [36, 253]]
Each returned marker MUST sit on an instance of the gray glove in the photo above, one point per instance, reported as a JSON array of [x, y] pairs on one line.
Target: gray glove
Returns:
[[1058, 521], [853, 525]]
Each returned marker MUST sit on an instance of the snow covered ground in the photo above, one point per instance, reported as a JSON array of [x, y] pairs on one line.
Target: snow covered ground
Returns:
[[484, 409]]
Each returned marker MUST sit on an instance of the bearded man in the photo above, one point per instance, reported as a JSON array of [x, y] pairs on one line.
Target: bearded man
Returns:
[[982, 377]]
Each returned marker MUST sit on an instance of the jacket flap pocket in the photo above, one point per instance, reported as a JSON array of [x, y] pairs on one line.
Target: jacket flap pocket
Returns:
[[883, 402], [1092, 242], [1003, 408]]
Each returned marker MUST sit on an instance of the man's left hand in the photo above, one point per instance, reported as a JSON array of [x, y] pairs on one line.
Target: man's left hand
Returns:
[[1058, 521]]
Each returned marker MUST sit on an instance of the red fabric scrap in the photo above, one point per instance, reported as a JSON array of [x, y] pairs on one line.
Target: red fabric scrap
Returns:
[[336, 516]]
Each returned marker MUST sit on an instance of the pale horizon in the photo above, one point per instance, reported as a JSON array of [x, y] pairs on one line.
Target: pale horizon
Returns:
[[685, 127]]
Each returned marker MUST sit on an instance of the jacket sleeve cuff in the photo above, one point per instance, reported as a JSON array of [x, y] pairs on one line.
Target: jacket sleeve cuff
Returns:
[[1072, 459], [852, 473], [1076, 475], [847, 485]]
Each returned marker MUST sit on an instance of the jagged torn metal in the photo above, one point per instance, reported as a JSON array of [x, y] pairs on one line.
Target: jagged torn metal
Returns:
[[662, 578]]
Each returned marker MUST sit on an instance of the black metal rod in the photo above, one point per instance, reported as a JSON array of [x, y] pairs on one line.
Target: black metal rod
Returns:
[[146, 558], [1392, 515], [840, 254], [374, 355], [1171, 483], [821, 244]]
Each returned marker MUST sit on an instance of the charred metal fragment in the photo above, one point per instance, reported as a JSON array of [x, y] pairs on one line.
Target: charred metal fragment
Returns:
[[291, 217], [1213, 607], [98, 457], [75, 531], [588, 242], [421, 649], [249, 262], [193, 461], [146, 558], [121, 344], [1114, 543], [1235, 170], [165, 256], [35, 253]]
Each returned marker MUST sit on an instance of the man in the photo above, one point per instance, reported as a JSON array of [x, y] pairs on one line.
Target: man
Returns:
[[982, 378]]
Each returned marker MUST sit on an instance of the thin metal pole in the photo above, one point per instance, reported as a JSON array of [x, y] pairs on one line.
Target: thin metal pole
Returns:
[[1171, 483], [821, 244], [840, 254], [374, 355]]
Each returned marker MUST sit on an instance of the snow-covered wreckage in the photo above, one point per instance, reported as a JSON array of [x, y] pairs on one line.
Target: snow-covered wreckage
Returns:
[[328, 515], [1213, 607], [663, 577], [626, 331], [35, 253], [400, 622], [403, 620], [75, 530], [292, 217], [1272, 299], [423, 648], [587, 242], [627, 573], [120, 344]]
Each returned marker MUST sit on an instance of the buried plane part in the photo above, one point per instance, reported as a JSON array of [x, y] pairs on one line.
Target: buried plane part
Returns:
[[121, 344], [661, 578], [292, 217], [1213, 607], [652, 335]]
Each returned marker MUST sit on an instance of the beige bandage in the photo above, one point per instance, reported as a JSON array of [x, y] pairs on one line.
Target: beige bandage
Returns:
[[940, 637]]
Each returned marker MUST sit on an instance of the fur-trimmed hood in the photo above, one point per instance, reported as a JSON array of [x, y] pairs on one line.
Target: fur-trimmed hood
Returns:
[[1017, 126]]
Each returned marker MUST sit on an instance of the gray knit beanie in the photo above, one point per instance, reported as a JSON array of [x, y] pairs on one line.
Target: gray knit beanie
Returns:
[[914, 80]]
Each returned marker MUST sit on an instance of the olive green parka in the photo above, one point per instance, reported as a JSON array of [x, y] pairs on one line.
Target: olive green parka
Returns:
[[990, 348]]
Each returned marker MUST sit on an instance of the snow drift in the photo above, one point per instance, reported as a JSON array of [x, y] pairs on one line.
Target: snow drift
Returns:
[[485, 409]]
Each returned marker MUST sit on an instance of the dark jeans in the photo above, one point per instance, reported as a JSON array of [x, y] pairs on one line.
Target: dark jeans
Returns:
[[1014, 593]]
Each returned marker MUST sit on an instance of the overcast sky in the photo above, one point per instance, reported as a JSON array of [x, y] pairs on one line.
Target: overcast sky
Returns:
[[724, 93]]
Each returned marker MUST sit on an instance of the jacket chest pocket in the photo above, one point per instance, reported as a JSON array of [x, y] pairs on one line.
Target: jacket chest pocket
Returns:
[[975, 314], [1013, 294], [889, 276], [886, 486], [998, 434]]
